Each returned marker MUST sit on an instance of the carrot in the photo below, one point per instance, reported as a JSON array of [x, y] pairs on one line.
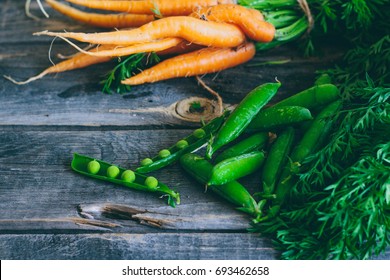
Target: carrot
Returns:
[[101, 20], [207, 60], [251, 21], [182, 47], [154, 46], [164, 7], [77, 61], [216, 34]]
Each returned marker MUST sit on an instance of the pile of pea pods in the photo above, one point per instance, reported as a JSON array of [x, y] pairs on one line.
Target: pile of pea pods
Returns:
[[253, 138]]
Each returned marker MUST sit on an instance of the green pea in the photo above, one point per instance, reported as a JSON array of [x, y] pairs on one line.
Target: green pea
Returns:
[[276, 159], [199, 133], [242, 115], [151, 182], [128, 176], [316, 134], [146, 161], [323, 80], [314, 97], [234, 168], [249, 144], [93, 167], [181, 144], [164, 153], [233, 191], [276, 117], [112, 171]]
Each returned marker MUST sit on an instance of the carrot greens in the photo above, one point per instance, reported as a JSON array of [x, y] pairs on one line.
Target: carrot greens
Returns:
[[340, 206], [124, 70]]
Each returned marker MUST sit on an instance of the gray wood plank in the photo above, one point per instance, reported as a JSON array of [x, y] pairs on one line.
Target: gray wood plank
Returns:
[[75, 98], [153, 246], [38, 183]]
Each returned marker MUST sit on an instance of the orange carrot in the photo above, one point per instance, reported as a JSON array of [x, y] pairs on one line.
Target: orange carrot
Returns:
[[207, 60], [207, 33], [101, 20], [251, 21], [154, 46], [77, 61], [165, 7], [182, 47]]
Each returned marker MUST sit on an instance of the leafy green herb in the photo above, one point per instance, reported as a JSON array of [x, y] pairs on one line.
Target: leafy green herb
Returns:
[[156, 11], [196, 107], [125, 69], [351, 21]]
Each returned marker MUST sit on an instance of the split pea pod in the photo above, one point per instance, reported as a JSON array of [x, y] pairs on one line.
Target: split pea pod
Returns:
[[251, 143], [311, 98], [186, 145], [200, 169], [241, 116], [275, 117], [237, 167], [107, 172], [316, 133]]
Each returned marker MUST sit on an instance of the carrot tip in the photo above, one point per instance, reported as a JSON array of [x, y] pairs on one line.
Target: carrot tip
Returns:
[[44, 32]]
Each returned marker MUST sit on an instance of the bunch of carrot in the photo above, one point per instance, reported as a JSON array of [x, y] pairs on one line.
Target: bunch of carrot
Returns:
[[201, 36]]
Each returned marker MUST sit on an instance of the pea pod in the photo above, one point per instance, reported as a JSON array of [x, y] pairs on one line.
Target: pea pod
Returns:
[[189, 144], [241, 116], [249, 144], [200, 169], [140, 182], [313, 97], [279, 116], [276, 159], [234, 168], [316, 133], [323, 79]]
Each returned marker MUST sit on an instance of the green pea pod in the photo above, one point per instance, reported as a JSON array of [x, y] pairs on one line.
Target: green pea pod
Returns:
[[317, 132], [276, 159], [313, 97], [80, 165], [242, 115], [249, 144], [200, 169], [279, 116], [234, 168], [323, 79], [194, 142]]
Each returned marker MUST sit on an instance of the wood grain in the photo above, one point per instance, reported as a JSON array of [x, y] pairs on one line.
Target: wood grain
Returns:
[[153, 246], [50, 212]]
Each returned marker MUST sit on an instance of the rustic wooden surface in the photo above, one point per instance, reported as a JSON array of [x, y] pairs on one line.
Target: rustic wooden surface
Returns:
[[49, 212]]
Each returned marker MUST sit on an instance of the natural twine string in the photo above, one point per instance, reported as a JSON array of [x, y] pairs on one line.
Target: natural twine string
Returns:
[[305, 7]]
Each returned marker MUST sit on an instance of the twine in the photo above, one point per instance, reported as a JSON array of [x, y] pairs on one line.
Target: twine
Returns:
[[305, 7]]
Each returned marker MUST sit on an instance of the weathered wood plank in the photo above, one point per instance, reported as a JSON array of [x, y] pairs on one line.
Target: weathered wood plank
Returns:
[[75, 98], [164, 245], [37, 181]]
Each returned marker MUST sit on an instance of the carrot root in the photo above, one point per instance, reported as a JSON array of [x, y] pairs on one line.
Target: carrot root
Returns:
[[101, 20], [204, 61], [155, 46], [191, 29], [164, 7], [80, 60], [251, 21]]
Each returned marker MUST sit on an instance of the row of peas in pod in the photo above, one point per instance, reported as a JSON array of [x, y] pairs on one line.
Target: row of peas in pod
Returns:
[[270, 141]]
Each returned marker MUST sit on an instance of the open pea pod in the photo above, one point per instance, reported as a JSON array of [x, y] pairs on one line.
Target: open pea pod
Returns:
[[186, 145], [80, 165]]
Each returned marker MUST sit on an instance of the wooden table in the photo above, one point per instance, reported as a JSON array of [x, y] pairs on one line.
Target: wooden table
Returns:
[[50, 212]]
